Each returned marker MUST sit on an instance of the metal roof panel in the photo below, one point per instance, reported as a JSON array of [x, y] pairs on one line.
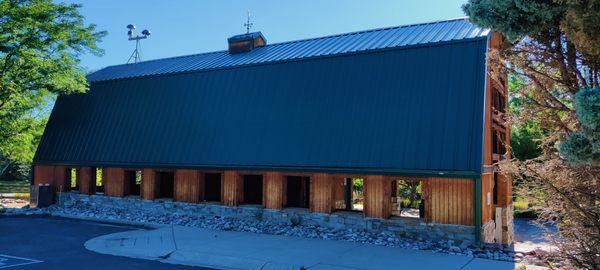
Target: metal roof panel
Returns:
[[362, 41]]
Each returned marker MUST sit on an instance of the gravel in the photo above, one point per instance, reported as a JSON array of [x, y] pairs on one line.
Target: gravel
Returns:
[[494, 252]]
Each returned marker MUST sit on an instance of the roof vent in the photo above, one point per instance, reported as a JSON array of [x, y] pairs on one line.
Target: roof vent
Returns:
[[246, 42]]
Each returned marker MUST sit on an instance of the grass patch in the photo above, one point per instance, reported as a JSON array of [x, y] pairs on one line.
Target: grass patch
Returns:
[[521, 204], [523, 209], [16, 186]]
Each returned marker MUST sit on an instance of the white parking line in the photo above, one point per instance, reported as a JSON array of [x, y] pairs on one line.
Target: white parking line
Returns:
[[7, 261]]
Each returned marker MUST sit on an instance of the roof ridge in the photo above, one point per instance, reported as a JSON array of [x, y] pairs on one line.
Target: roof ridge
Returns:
[[301, 40], [370, 30]]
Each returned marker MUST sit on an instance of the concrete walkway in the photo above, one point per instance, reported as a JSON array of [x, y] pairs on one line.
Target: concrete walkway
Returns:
[[241, 250]]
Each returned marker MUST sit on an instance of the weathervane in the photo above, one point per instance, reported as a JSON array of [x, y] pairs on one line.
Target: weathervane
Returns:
[[248, 24], [137, 53]]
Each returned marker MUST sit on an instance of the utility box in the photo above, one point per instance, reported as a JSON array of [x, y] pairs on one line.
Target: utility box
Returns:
[[41, 196]]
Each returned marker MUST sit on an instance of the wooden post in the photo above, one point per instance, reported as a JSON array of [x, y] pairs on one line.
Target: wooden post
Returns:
[[273, 191], [426, 189], [377, 193], [43, 174], [188, 186], [339, 189], [149, 185], [504, 189], [232, 188], [60, 179], [86, 178], [321, 193], [114, 182]]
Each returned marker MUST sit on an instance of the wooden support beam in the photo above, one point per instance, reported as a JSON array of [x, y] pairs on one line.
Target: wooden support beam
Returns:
[[232, 188], [339, 188], [86, 179], [149, 185], [188, 186], [426, 193], [273, 190], [321, 193], [43, 174], [377, 193], [60, 179], [114, 182], [504, 190]]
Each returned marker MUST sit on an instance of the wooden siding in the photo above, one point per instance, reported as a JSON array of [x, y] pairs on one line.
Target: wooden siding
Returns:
[[487, 197], [86, 180], [149, 185], [504, 190], [321, 193], [56, 176], [114, 182], [232, 188], [43, 175], [189, 186], [449, 200], [377, 193], [273, 190], [338, 192]]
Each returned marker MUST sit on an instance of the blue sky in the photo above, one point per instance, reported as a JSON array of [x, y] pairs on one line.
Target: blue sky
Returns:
[[181, 27]]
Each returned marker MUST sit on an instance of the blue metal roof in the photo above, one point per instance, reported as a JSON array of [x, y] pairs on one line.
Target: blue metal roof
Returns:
[[363, 41], [416, 109]]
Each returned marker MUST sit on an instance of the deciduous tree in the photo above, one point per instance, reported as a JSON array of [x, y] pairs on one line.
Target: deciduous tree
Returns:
[[40, 46]]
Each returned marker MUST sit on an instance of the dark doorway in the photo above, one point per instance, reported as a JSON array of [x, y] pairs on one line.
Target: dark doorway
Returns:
[[253, 187], [298, 191], [165, 184], [212, 187], [133, 185]]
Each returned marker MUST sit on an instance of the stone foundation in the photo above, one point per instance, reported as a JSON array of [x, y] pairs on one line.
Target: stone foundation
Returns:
[[488, 232], [508, 232], [401, 226]]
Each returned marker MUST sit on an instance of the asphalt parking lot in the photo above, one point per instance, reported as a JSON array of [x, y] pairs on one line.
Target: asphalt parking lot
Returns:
[[56, 243]]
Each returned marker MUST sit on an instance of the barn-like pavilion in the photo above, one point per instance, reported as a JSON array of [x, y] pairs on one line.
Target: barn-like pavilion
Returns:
[[293, 124]]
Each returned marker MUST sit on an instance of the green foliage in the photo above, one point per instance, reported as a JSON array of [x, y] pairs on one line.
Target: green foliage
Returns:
[[99, 177], [357, 184], [583, 146], [524, 141], [553, 60], [410, 193], [40, 46], [581, 25], [516, 18], [587, 107]]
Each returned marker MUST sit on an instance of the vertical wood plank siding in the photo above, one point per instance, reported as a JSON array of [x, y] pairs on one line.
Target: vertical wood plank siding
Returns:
[[338, 191], [188, 186], [487, 187], [449, 201], [232, 188], [377, 193], [56, 176], [273, 190], [43, 175], [321, 193], [149, 185], [114, 182], [504, 190], [86, 179]]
